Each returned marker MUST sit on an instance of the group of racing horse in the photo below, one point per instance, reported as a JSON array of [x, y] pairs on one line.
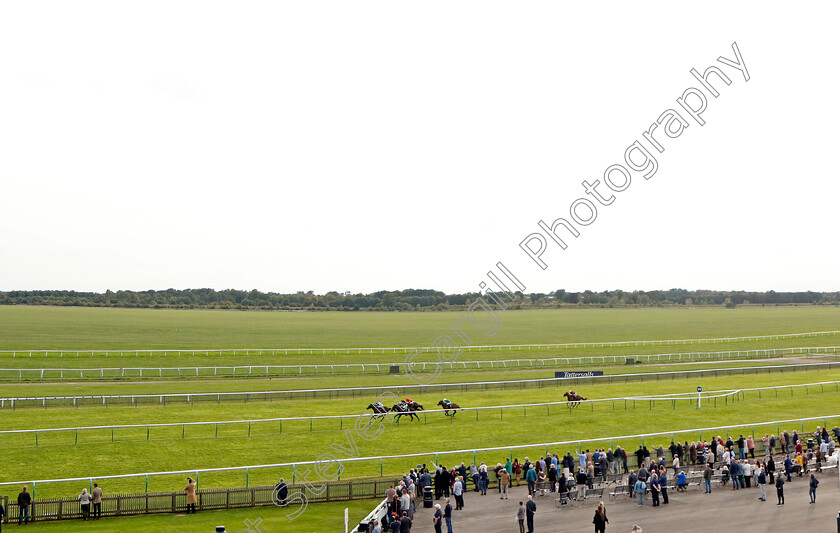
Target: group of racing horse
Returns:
[[409, 407]]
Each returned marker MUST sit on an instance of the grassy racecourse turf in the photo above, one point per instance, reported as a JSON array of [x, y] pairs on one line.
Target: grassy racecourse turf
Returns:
[[62, 455], [83, 328], [69, 387], [158, 360]]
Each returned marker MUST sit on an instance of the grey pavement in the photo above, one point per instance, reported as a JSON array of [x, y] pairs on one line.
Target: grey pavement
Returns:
[[724, 509]]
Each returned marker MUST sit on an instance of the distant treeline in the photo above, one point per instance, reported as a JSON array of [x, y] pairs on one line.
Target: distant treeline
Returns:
[[406, 300]]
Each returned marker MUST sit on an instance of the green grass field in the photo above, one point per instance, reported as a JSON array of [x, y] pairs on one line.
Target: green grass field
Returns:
[[83, 328], [93, 453]]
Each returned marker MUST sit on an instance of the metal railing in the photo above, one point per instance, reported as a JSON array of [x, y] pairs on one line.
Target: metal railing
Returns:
[[652, 399], [50, 509], [394, 350], [263, 371], [614, 403], [218, 397]]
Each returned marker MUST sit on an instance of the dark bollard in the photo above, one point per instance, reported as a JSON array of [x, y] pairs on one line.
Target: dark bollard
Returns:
[[220, 529], [428, 498]]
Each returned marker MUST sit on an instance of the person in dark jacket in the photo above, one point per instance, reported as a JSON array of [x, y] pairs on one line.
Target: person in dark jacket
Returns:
[[281, 493], [655, 488], [405, 523], [780, 489], [24, 500], [812, 488], [530, 509], [600, 519], [437, 520]]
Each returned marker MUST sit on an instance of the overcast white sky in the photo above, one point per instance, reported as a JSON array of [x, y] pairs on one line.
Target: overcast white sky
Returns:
[[362, 146]]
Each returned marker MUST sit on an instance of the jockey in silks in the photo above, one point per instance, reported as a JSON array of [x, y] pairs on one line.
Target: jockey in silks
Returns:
[[446, 403], [408, 402], [572, 394], [379, 405]]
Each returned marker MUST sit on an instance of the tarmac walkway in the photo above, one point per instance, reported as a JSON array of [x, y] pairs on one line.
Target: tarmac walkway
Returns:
[[693, 511]]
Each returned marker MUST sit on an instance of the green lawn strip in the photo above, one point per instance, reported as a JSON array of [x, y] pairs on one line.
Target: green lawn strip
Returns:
[[318, 517], [28, 418], [92, 328], [86, 388], [154, 361]]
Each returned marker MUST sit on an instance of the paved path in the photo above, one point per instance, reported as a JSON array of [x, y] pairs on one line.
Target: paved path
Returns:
[[723, 510]]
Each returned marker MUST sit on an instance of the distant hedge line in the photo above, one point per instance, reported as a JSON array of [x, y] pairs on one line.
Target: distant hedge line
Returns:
[[405, 300]]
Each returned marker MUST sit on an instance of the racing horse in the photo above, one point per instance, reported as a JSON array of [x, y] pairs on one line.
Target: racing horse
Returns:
[[403, 409], [381, 411], [449, 406], [574, 399]]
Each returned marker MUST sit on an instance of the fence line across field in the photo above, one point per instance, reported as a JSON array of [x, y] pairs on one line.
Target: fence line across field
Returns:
[[162, 399], [680, 396], [436, 454], [401, 350], [689, 397], [285, 370]]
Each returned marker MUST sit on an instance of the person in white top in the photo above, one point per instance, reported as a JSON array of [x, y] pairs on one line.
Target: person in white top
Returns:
[[84, 500], [748, 472]]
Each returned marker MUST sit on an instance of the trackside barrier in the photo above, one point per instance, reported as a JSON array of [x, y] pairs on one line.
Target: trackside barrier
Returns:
[[625, 403], [371, 392], [263, 371], [377, 514], [690, 398], [395, 350], [466, 454], [208, 499]]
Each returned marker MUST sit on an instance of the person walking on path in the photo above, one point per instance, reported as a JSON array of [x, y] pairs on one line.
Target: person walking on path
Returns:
[[707, 478], [812, 488], [520, 517], [84, 500], [600, 519], [530, 509], [639, 490], [24, 499], [191, 497], [655, 487], [663, 484], [780, 489], [437, 519], [97, 502], [447, 516], [762, 484], [458, 492], [531, 478]]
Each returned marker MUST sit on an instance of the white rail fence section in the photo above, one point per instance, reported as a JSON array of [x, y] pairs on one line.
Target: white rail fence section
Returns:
[[690, 398], [369, 392], [461, 454], [394, 350], [262, 371]]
